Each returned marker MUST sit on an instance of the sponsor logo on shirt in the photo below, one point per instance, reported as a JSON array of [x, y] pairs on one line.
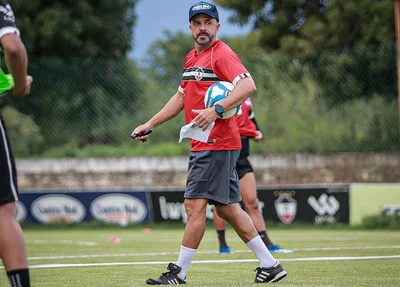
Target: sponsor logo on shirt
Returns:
[[199, 74]]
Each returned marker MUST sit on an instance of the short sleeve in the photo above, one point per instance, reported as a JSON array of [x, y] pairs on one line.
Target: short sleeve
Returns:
[[227, 65], [181, 89], [183, 83], [7, 20], [185, 75]]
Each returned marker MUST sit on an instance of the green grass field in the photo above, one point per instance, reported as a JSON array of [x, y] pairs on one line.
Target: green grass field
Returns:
[[323, 257]]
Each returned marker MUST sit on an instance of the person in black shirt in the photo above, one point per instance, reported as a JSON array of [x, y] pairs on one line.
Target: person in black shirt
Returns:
[[12, 244]]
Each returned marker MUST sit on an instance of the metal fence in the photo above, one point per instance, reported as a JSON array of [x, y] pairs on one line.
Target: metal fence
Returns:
[[335, 101]]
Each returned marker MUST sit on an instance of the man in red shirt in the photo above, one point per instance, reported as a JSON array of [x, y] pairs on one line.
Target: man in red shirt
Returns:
[[248, 129], [212, 177]]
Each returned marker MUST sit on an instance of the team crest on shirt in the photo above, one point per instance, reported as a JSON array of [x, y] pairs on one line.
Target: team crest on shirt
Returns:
[[198, 74]]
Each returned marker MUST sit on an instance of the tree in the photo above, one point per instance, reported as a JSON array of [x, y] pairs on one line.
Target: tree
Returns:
[[349, 44], [83, 83], [166, 56], [299, 28], [76, 28]]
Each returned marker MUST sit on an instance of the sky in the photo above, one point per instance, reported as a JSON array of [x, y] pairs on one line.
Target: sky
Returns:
[[155, 16]]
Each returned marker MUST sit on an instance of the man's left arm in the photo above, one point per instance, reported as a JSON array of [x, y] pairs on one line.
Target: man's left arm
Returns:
[[227, 65], [243, 89]]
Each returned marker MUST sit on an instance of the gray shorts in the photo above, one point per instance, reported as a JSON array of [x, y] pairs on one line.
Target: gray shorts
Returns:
[[212, 175]]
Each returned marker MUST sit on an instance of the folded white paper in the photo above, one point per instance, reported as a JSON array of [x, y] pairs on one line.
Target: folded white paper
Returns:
[[195, 133]]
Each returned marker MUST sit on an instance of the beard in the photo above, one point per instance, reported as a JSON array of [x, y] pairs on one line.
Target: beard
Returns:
[[203, 38]]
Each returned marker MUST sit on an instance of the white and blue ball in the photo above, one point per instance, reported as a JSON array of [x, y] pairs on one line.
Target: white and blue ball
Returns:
[[217, 92]]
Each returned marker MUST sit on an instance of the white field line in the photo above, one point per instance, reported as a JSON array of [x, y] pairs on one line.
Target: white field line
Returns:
[[68, 242], [203, 252], [210, 261]]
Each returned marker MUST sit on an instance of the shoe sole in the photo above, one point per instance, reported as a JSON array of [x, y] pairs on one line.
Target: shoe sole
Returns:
[[279, 276], [152, 282]]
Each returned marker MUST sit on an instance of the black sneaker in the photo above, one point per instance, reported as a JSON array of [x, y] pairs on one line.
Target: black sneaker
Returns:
[[168, 278], [273, 274]]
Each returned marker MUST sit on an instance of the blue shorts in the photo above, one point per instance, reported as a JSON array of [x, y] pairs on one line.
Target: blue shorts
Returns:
[[212, 175]]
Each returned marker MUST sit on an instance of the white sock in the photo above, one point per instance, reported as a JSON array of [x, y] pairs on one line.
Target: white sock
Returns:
[[261, 251], [185, 258]]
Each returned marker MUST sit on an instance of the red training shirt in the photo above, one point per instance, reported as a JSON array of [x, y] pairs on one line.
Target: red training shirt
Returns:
[[244, 120], [217, 63]]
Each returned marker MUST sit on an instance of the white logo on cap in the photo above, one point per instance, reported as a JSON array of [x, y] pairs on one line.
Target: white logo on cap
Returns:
[[201, 7]]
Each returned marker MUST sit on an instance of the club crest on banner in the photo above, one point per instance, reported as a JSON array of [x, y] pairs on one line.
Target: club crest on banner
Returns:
[[286, 208], [198, 74]]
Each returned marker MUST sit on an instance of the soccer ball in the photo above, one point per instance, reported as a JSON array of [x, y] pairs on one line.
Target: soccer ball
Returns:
[[217, 92]]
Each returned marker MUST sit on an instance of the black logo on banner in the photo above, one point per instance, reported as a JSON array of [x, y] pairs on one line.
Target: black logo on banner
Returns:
[[287, 205]]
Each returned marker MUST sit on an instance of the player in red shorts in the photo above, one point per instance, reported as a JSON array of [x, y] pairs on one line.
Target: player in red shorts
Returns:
[[212, 177], [248, 129]]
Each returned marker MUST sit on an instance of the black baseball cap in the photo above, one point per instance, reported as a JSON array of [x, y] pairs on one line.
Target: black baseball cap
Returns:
[[203, 8]]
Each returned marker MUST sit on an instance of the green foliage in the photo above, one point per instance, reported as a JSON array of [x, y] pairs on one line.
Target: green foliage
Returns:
[[25, 135], [350, 44], [162, 149], [382, 221], [87, 101], [325, 73], [295, 119], [300, 29], [82, 98], [71, 28], [90, 107], [69, 149], [361, 72], [166, 57], [246, 46]]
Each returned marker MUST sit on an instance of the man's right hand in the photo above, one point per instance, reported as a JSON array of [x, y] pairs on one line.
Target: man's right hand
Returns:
[[20, 92], [141, 133]]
